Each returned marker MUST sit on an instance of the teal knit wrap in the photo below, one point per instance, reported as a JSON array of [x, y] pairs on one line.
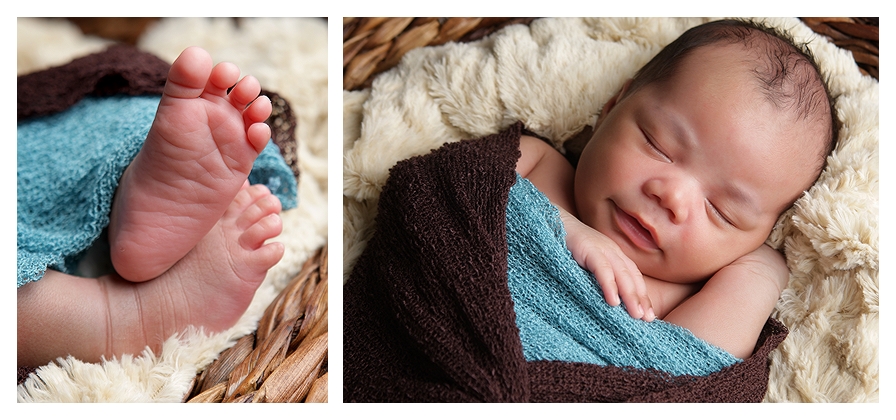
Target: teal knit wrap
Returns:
[[561, 312]]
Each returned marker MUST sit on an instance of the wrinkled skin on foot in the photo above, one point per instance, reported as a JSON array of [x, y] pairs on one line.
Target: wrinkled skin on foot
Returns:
[[197, 155]]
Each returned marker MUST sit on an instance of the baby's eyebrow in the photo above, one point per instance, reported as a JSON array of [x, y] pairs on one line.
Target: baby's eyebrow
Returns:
[[680, 131]]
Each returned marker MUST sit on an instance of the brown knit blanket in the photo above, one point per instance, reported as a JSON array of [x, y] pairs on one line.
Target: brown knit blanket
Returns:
[[429, 316]]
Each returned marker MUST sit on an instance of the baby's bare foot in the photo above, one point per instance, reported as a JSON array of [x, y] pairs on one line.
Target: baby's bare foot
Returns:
[[212, 286], [197, 155]]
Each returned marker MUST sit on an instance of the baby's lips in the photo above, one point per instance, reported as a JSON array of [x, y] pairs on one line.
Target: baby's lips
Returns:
[[650, 231], [637, 232]]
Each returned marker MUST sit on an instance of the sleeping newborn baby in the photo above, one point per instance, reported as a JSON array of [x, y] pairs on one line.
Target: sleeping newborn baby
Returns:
[[687, 171]]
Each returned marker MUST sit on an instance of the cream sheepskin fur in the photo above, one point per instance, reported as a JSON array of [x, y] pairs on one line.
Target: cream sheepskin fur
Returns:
[[554, 76], [288, 56]]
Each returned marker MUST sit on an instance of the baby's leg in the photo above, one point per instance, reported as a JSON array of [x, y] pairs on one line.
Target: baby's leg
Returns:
[[210, 287], [199, 151]]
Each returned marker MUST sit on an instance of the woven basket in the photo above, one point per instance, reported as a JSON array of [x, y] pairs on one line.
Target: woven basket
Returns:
[[373, 45], [858, 35], [285, 359]]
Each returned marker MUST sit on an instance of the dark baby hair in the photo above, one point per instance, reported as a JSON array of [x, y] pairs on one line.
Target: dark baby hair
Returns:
[[787, 72]]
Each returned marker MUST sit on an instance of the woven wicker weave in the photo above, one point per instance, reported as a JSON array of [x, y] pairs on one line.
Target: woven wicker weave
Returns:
[[373, 45], [285, 359], [858, 35]]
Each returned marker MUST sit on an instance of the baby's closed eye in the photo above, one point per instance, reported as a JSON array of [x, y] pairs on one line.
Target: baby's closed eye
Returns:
[[718, 214], [655, 149]]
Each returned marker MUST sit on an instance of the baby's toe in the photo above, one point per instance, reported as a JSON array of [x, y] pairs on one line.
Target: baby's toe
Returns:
[[258, 111], [259, 134], [246, 197], [189, 74], [266, 228], [223, 76], [245, 92], [262, 207], [268, 255]]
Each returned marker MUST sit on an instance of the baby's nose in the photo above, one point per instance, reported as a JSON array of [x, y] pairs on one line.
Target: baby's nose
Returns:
[[674, 196]]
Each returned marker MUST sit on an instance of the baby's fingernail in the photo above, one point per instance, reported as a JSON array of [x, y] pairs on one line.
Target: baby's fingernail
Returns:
[[650, 315]]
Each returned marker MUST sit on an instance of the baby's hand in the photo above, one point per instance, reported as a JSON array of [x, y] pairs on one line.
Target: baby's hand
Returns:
[[617, 275]]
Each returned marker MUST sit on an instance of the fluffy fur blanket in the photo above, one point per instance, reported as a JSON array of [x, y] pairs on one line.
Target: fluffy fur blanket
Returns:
[[288, 56], [553, 76], [429, 315]]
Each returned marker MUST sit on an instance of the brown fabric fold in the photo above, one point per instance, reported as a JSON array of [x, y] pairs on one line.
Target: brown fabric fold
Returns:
[[428, 314], [119, 69]]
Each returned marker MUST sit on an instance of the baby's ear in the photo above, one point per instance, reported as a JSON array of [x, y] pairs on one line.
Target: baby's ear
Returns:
[[576, 144], [612, 102]]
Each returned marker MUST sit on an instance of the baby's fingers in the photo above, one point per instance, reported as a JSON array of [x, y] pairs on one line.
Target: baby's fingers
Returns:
[[636, 301], [633, 292], [630, 297], [606, 278], [614, 275], [643, 298]]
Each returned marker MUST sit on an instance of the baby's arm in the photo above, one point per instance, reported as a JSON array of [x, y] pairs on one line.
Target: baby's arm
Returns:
[[618, 276], [548, 170], [733, 306]]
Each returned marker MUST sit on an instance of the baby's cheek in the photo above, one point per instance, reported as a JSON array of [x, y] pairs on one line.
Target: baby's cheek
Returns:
[[692, 244]]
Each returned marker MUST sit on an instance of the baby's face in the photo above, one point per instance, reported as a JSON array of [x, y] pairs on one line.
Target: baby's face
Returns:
[[687, 176]]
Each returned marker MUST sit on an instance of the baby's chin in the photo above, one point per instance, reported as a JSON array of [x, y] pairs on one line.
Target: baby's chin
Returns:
[[670, 273], [679, 280]]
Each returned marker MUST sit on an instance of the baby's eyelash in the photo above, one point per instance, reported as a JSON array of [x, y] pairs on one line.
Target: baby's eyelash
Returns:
[[653, 146], [718, 213]]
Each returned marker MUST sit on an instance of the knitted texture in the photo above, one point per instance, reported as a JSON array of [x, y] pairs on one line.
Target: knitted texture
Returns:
[[118, 70], [68, 167], [268, 169], [428, 315]]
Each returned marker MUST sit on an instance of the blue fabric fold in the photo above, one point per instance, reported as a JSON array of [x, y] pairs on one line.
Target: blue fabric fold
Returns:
[[561, 312], [68, 167]]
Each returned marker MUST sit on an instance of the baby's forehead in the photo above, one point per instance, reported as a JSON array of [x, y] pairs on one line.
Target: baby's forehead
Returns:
[[784, 78]]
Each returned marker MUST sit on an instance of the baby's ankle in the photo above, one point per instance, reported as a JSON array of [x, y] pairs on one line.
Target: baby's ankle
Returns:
[[135, 317]]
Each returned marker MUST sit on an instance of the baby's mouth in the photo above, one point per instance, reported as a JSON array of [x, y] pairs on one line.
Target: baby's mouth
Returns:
[[635, 231]]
